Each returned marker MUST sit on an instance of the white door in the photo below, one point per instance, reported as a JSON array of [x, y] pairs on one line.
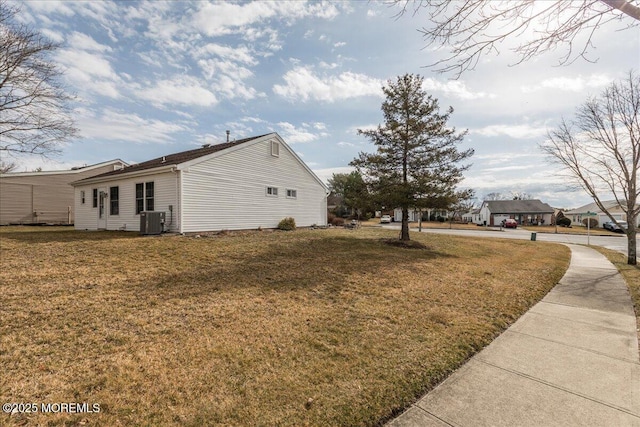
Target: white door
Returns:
[[102, 209]]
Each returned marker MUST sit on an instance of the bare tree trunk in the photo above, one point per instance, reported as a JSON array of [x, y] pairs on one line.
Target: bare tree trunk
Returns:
[[404, 234], [631, 244], [624, 6]]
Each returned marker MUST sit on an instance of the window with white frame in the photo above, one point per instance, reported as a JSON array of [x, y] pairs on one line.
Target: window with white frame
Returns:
[[145, 197], [272, 191], [114, 199], [292, 194], [275, 148]]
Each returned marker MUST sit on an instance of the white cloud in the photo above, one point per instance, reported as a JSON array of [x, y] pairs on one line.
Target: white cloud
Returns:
[[29, 163], [570, 84], [227, 79], [84, 42], [238, 54], [339, 44], [90, 72], [303, 84], [88, 63], [184, 90], [455, 88], [50, 7], [353, 130], [294, 135], [121, 126], [508, 157], [523, 131], [345, 144], [509, 168], [225, 18], [327, 173], [328, 66], [54, 36]]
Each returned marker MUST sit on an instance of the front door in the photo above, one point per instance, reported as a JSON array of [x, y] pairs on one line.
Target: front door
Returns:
[[102, 210]]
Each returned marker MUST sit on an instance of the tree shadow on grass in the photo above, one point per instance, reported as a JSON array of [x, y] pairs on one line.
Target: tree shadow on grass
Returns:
[[328, 263]]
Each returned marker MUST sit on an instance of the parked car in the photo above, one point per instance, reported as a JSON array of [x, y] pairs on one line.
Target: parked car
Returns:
[[612, 226], [385, 219], [509, 223]]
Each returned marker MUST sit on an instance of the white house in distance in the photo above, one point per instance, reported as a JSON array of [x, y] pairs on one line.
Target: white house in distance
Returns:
[[532, 212], [45, 196], [577, 215], [244, 184]]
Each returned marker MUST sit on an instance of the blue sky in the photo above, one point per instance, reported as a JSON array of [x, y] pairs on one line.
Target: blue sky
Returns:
[[154, 78]]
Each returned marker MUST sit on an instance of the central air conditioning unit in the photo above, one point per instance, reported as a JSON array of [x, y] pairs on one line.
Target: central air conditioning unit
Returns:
[[151, 222]]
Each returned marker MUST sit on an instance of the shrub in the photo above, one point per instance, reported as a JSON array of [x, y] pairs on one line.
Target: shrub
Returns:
[[330, 218], [287, 224], [563, 222], [338, 222], [593, 223], [441, 219]]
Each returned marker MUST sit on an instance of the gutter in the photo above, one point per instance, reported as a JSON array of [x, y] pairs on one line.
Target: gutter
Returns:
[[145, 172]]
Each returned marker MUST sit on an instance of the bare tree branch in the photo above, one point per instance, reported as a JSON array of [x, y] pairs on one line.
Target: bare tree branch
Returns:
[[6, 167], [34, 113], [473, 28]]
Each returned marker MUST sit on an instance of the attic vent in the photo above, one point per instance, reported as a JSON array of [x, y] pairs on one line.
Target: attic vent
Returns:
[[275, 148]]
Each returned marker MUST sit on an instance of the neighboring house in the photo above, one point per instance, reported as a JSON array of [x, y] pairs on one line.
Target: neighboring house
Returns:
[[473, 216], [244, 184], [525, 212], [44, 197], [414, 214], [577, 215]]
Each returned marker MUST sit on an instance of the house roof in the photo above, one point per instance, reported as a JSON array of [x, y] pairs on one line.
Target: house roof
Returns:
[[518, 206], [174, 159], [74, 170]]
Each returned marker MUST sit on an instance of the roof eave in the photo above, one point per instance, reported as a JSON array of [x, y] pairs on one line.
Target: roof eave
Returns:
[[124, 175]]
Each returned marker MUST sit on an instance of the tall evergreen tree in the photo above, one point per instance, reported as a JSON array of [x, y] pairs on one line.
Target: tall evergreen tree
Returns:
[[417, 163]]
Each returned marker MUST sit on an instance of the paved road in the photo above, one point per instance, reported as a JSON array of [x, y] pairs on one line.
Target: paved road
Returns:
[[616, 243]]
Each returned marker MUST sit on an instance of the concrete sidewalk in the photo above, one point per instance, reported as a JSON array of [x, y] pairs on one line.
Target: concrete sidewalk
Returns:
[[572, 360]]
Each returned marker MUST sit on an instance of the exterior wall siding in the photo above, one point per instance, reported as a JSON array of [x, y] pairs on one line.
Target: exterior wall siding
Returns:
[[230, 191], [165, 194], [30, 198]]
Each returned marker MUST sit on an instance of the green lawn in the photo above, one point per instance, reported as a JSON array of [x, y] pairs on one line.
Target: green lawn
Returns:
[[312, 327]]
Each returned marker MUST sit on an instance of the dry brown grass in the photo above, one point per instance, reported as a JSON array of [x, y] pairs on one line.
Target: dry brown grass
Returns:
[[313, 327]]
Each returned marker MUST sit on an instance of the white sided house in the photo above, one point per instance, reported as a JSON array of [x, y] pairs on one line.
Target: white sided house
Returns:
[[244, 184], [525, 212], [592, 210], [45, 197]]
